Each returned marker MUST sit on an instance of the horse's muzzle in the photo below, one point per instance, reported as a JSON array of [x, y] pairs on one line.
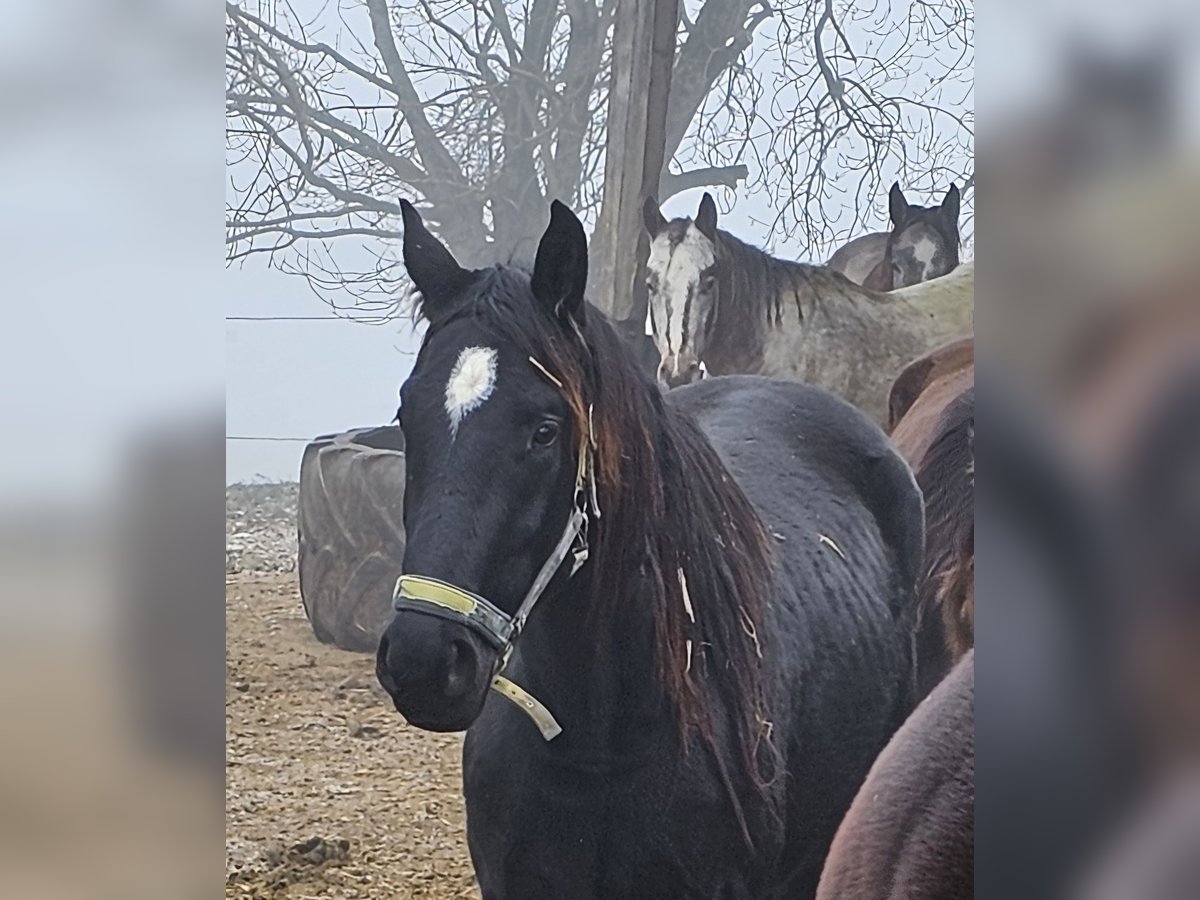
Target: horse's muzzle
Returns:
[[679, 369], [436, 672]]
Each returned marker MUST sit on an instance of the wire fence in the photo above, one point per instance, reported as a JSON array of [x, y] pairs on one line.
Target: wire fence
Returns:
[[361, 320], [251, 437]]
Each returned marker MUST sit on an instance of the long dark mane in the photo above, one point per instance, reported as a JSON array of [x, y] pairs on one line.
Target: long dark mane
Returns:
[[947, 479], [752, 280], [676, 531]]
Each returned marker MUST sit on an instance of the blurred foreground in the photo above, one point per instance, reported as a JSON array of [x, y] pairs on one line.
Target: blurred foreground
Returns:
[[1088, 492]]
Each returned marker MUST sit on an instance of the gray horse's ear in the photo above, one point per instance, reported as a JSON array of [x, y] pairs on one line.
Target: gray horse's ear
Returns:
[[561, 268], [706, 218], [653, 217], [950, 206], [434, 271], [897, 206]]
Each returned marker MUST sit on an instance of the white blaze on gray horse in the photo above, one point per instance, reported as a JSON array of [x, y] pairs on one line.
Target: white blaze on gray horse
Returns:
[[681, 273]]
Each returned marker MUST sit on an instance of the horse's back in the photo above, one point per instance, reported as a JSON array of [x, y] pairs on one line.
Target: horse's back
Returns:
[[858, 257], [922, 373], [929, 416], [794, 447], [910, 833]]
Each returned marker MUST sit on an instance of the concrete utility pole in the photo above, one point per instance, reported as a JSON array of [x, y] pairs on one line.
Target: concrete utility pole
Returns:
[[643, 57]]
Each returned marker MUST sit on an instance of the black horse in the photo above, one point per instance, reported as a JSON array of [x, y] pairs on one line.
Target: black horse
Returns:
[[723, 578]]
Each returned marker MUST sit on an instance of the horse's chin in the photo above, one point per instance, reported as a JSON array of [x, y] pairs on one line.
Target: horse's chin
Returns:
[[438, 721], [440, 717]]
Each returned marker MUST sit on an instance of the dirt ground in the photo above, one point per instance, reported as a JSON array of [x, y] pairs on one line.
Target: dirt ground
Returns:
[[328, 792]]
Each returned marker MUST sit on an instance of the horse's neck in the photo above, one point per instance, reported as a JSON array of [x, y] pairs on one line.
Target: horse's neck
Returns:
[[598, 680], [754, 285]]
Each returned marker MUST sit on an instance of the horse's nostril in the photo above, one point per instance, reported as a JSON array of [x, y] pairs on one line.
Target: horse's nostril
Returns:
[[460, 671]]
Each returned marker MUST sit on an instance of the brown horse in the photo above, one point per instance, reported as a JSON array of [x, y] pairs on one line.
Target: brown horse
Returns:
[[910, 832], [932, 422]]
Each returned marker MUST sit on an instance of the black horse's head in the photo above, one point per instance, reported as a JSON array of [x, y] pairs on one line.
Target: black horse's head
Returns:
[[493, 446], [923, 243]]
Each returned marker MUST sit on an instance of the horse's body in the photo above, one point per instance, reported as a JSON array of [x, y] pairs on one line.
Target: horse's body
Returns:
[[936, 378], [717, 300], [934, 398], [614, 807], [807, 667], [922, 245], [858, 257], [910, 833]]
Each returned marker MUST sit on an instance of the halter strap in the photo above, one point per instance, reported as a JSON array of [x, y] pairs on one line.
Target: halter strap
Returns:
[[500, 630]]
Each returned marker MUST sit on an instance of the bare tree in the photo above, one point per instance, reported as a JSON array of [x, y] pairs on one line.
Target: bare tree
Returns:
[[485, 109]]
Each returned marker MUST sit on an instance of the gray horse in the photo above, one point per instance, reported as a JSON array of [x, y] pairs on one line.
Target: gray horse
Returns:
[[720, 306], [922, 245]]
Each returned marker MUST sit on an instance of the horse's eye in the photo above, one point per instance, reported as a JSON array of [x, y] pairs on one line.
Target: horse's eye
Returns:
[[546, 434]]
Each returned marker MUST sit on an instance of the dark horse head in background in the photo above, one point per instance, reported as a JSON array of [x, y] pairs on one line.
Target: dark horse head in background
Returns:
[[921, 245], [703, 598]]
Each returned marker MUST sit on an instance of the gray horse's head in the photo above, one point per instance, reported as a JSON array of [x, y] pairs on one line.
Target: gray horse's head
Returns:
[[681, 276], [923, 243]]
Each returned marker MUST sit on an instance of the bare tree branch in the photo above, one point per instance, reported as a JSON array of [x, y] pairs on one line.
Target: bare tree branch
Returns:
[[433, 152], [720, 34], [482, 110], [715, 176]]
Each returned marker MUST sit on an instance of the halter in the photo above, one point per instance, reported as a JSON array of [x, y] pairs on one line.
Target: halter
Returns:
[[500, 630]]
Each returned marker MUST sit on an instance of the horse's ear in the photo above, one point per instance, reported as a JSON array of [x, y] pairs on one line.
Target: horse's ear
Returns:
[[653, 217], [950, 205], [897, 206], [706, 218], [434, 271], [561, 268]]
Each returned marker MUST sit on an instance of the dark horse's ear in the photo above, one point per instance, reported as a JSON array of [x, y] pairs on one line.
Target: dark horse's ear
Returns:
[[706, 218], [433, 269], [561, 268], [950, 205], [897, 206], [653, 217]]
